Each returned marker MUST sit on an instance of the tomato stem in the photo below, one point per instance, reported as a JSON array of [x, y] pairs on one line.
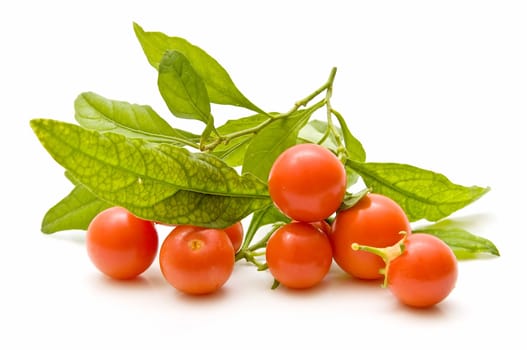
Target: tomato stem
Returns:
[[388, 254], [225, 139], [250, 252]]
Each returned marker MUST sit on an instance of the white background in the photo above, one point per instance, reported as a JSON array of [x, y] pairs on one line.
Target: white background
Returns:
[[437, 84]]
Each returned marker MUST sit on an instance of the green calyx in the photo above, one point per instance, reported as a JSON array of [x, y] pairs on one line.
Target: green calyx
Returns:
[[388, 254]]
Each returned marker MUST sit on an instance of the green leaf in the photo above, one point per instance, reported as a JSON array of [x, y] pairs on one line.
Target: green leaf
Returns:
[[260, 218], [220, 87], [268, 215], [353, 146], [464, 244], [316, 130], [73, 212], [182, 88], [350, 199], [201, 209], [233, 153], [423, 194], [272, 140], [146, 178], [95, 112]]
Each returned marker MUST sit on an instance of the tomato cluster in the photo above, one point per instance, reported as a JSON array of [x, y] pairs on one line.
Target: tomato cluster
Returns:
[[307, 182], [370, 240], [194, 260]]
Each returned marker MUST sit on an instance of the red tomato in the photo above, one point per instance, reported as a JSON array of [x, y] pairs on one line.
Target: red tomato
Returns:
[[120, 244], [307, 182], [298, 255], [235, 233], [375, 220], [323, 226], [425, 273], [196, 260]]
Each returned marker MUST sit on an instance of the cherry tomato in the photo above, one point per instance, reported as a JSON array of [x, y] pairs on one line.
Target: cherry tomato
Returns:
[[298, 255], [120, 244], [425, 273], [235, 233], [196, 260], [323, 226], [307, 182], [375, 220]]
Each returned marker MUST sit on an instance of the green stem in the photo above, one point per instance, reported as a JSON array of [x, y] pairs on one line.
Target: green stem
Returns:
[[388, 254], [263, 242], [276, 284], [273, 117], [303, 102], [324, 137], [173, 139], [332, 129]]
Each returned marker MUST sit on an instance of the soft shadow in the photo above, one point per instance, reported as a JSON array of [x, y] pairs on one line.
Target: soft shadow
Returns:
[[431, 312], [341, 280], [137, 282], [322, 287], [75, 237], [471, 221], [202, 299], [145, 281]]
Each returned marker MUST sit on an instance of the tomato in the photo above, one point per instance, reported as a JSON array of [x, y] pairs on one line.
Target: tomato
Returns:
[[323, 226], [235, 233], [120, 244], [196, 260], [307, 182], [375, 220], [298, 255], [425, 273]]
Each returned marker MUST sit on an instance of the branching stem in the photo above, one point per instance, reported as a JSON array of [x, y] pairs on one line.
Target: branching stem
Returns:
[[225, 139]]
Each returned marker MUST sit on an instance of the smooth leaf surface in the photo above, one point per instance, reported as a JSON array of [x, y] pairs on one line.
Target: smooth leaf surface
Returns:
[[220, 87], [138, 174], [272, 140], [353, 145], [315, 131], [76, 210], [350, 199], [96, 112], [201, 209], [265, 216], [73, 212], [233, 152], [423, 194], [182, 88], [464, 244]]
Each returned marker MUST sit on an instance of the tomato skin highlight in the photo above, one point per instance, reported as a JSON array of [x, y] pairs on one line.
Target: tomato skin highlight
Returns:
[[298, 255], [425, 273], [121, 245], [307, 182], [375, 220], [196, 260]]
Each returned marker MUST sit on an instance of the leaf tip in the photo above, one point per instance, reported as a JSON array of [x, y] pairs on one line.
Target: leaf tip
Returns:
[[36, 124], [137, 28]]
